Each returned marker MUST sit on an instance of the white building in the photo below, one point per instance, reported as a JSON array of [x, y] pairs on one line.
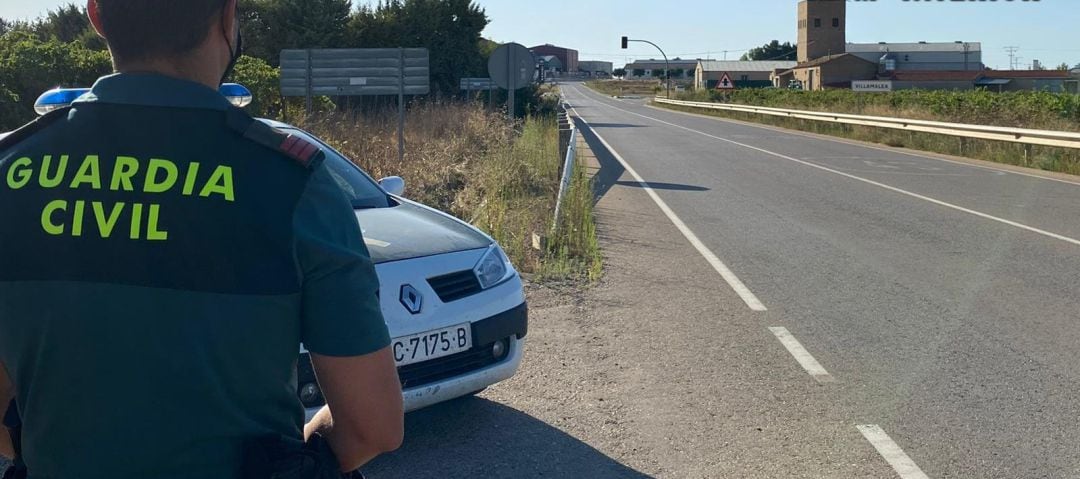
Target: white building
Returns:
[[596, 68], [922, 56]]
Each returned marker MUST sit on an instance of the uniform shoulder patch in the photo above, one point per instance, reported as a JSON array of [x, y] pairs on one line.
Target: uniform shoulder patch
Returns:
[[300, 150], [297, 148]]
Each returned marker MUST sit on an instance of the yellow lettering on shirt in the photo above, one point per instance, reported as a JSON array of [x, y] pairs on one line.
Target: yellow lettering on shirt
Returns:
[[127, 174], [20, 173]]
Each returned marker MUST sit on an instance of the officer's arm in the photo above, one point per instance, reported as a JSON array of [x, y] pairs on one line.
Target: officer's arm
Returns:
[[344, 330], [364, 395], [7, 393]]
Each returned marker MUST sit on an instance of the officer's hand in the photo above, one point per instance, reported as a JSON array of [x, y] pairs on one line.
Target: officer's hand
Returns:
[[364, 416]]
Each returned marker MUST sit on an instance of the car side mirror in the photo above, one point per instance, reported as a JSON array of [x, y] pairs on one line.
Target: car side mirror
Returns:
[[394, 185]]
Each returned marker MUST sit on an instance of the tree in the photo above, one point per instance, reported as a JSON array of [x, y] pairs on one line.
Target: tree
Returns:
[[639, 72], [487, 48], [773, 50], [67, 23], [619, 72], [658, 73], [1064, 66], [449, 29], [30, 66], [270, 26], [264, 81]]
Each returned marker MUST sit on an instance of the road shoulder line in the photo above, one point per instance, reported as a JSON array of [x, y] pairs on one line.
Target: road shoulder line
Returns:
[[729, 276], [896, 457], [802, 356]]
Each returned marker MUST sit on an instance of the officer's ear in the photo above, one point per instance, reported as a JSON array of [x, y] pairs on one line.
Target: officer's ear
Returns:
[[229, 21], [95, 17]]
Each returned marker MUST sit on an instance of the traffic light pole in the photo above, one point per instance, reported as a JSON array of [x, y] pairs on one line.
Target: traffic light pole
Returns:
[[667, 64]]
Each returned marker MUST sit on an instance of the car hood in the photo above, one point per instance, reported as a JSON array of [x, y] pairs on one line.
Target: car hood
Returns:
[[412, 231]]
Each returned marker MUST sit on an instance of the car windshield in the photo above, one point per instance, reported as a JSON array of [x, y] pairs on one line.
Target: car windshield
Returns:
[[363, 192]]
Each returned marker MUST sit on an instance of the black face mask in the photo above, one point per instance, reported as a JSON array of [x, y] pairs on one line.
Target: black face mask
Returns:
[[235, 53]]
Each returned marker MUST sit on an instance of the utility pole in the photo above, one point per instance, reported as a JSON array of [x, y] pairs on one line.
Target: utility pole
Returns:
[[1012, 56]]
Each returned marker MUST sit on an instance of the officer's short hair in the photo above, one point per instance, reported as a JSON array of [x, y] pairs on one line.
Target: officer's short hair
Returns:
[[143, 29]]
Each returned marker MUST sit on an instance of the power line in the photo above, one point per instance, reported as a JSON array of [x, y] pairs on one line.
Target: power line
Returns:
[[1012, 56]]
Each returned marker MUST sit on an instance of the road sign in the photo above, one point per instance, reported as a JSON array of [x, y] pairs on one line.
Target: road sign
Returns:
[[725, 83], [355, 72], [474, 84], [512, 66], [872, 85]]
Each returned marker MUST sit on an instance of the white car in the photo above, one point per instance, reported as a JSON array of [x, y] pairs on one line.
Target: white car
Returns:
[[453, 303]]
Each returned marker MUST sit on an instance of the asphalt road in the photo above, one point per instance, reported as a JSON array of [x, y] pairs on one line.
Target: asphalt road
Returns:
[[940, 297]]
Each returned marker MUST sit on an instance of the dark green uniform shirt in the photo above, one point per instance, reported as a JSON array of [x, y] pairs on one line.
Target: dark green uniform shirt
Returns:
[[161, 260]]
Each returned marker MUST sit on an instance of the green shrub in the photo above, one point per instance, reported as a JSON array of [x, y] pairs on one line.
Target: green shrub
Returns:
[[29, 67]]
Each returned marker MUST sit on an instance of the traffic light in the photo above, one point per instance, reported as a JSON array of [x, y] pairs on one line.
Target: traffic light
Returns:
[[625, 42]]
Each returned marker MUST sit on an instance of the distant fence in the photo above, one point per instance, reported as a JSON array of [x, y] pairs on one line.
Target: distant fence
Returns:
[[1061, 139]]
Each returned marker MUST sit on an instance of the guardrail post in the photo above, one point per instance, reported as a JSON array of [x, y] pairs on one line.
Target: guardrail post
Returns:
[[564, 132], [567, 175]]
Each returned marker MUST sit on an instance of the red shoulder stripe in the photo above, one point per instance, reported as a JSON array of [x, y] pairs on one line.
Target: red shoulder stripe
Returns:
[[289, 142], [299, 149]]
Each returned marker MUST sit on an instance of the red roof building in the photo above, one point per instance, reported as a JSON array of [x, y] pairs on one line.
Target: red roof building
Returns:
[[568, 57]]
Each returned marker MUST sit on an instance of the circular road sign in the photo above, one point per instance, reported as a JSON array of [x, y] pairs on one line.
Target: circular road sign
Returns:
[[512, 66]]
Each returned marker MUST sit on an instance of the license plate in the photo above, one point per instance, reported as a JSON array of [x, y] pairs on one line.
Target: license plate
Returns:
[[432, 344]]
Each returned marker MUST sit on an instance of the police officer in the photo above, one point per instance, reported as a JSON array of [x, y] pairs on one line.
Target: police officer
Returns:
[[162, 258]]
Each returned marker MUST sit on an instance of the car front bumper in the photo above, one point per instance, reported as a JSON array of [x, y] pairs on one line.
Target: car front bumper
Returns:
[[431, 382]]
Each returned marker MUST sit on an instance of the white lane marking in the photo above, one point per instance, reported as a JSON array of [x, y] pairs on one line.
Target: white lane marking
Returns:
[[998, 171], [736, 284], [804, 358], [869, 182], [900, 462]]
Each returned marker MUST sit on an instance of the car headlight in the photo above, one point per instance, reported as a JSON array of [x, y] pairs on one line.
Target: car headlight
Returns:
[[492, 268]]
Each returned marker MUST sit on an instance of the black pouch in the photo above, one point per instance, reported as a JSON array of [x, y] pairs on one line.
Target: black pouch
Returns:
[[282, 458], [14, 426]]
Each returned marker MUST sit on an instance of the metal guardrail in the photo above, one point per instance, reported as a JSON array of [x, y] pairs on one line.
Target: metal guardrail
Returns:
[[1061, 139], [567, 173]]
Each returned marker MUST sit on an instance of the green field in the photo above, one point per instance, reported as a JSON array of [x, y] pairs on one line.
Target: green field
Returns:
[[1038, 110]]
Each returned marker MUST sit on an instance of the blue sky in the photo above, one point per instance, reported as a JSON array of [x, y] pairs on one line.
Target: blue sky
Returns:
[[1045, 30]]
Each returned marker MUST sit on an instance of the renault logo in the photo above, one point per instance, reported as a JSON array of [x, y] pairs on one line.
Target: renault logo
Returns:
[[411, 299]]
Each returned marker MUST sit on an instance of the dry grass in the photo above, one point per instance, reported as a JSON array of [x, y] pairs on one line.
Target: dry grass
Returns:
[[473, 164], [625, 87]]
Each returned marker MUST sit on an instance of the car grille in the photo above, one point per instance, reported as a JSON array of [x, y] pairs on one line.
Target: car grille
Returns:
[[419, 374], [427, 372], [455, 286]]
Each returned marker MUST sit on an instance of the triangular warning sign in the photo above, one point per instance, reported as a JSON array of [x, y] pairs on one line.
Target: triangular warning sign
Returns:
[[725, 83]]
